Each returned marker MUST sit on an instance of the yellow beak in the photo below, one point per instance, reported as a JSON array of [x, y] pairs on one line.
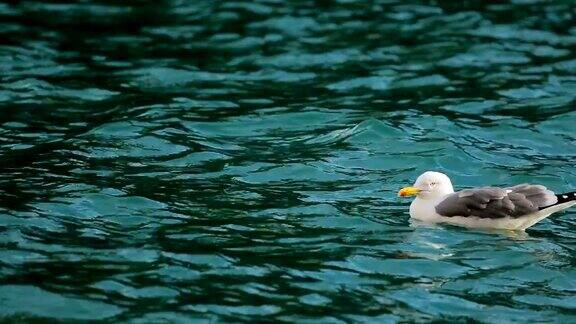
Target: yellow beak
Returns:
[[408, 191]]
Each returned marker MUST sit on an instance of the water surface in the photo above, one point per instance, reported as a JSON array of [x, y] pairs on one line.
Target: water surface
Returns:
[[238, 161]]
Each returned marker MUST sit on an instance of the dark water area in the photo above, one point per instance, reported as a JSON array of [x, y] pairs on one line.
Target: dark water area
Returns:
[[238, 161]]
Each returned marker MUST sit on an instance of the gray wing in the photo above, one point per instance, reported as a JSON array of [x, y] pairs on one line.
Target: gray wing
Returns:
[[491, 202]]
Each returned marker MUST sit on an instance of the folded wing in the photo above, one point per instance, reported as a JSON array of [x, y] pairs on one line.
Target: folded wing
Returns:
[[491, 202]]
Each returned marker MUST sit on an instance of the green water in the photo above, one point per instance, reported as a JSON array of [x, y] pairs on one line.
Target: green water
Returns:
[[238, 161]]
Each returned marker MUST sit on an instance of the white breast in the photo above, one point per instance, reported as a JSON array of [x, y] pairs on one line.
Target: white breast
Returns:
[[425, 210]]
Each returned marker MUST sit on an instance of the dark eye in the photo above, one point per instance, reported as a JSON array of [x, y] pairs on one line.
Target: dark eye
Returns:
[[433, 184]]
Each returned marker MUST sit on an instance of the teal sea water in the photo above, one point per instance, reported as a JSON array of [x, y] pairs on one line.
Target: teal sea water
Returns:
[[238, 161]]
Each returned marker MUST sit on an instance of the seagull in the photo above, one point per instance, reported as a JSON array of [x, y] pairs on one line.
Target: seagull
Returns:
[[511, 208]]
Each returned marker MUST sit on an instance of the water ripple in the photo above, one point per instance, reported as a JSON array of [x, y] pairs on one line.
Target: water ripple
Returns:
[[197, 161]]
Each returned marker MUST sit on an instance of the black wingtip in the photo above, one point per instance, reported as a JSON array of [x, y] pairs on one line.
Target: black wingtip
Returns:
[[562, 198], [566, 197]]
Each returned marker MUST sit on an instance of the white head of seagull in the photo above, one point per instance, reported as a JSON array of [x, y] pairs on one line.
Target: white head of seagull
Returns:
[[429, 185]]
